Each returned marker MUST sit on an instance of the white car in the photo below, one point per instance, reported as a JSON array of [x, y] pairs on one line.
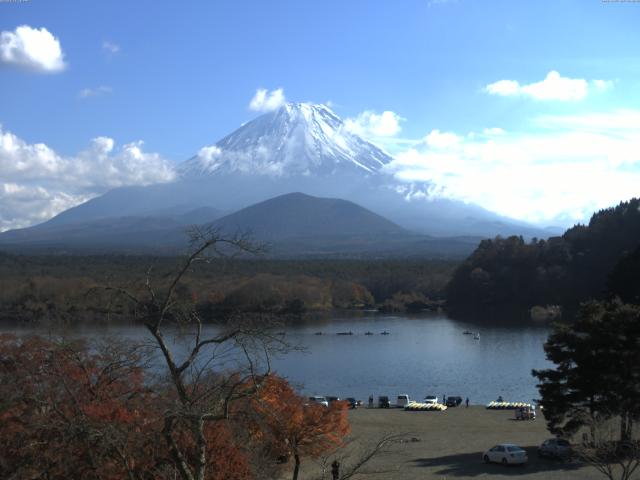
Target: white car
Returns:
[[319, 400], [431, 399], [507, 454], [402, 401]]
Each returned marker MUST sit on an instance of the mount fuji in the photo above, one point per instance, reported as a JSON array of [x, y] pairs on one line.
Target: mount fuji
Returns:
[[299, 147], [297, 139]]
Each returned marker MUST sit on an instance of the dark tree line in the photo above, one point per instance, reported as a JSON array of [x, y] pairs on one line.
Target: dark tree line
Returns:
[[592, 261]]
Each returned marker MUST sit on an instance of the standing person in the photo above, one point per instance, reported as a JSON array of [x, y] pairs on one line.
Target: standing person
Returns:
[[335, 470], [467, 402], [444, 399], [370, 401]]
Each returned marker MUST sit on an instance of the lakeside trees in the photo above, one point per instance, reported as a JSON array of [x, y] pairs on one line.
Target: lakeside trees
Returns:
[[597, 373], [596, 384], [566, 270]]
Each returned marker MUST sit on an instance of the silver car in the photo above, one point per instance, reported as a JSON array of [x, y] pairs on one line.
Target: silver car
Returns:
[[555, 448], [507, 454]]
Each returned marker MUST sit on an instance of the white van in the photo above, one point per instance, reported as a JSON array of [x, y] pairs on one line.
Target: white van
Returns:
[[431, 399], [402, 401], [319, 400]]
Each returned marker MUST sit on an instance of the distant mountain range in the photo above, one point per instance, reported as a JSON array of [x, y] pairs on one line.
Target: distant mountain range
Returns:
[[244, 180], [291, 225]]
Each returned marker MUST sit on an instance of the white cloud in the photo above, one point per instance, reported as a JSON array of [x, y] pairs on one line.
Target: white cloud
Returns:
[[25, 205], [370, 124], [209, 153], [503, 87], [32, 49], [210, 158], [266, 101], [439, 140], [110, 48], [553, 87], [560, 173], [95, 92], [38, 183]]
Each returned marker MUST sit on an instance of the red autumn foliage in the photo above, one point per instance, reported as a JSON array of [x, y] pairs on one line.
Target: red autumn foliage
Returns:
[[72, 411], [298, 428], [68, 412]]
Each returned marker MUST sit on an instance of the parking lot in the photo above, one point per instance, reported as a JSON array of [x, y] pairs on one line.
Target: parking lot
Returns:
[[450, 444]]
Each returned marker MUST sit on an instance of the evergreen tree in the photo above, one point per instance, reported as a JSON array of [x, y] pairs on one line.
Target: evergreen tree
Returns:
[[597, 373]]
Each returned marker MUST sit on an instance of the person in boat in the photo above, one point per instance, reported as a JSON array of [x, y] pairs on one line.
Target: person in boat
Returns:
[[500, 398]]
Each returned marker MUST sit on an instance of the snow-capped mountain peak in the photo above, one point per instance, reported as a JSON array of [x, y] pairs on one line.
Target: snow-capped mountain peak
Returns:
[[296, 139]]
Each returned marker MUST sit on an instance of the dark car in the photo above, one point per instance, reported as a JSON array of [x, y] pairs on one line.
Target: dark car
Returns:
[[383, 402], [454, 401], [332, 399], [555, 448], [352, 402]]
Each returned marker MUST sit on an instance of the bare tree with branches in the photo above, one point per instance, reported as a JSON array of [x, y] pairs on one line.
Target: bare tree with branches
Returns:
[[216, 368], [602, 449]]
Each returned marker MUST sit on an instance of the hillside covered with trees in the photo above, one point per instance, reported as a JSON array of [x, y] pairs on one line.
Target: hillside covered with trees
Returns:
[[593, 261]]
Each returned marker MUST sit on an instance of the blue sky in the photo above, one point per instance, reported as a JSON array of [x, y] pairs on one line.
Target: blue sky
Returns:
[[178, 76]]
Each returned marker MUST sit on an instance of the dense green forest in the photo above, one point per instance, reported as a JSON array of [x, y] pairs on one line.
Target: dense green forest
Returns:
[[597, 260], [70, 288]]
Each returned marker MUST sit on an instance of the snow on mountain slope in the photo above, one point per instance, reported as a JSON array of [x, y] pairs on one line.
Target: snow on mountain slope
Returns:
[[296, 139], [298, 148]]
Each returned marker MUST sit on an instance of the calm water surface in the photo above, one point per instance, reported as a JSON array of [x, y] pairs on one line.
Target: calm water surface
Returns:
[[420, 356]]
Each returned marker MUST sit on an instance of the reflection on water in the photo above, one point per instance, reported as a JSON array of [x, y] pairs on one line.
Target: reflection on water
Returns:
[[420, 356]]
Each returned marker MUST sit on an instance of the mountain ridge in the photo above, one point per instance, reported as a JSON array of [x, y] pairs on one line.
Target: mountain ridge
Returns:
[[299, 147], [294, 225]]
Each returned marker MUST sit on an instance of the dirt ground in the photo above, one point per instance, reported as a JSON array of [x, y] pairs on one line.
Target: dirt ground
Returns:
[[449, 445]]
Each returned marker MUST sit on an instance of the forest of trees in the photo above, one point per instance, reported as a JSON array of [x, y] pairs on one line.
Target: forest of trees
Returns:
[[594, 261], [61, 288]]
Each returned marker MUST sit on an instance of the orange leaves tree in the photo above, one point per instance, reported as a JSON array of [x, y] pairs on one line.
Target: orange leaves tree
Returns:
[[299, 429], [71, 410], [68, 412]]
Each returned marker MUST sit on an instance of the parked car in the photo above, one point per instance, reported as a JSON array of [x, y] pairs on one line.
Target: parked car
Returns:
[[383, 402], [453, 401], [525, 413], [352, 402], [507, 454], [319, 400], [330, 399], [431, 399], [402, 401], [555, 448]]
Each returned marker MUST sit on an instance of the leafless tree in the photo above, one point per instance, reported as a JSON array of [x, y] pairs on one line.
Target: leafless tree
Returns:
[[215, 366], [603, 449]]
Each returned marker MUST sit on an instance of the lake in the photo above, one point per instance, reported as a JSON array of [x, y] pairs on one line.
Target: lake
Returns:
[[421, 355]]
